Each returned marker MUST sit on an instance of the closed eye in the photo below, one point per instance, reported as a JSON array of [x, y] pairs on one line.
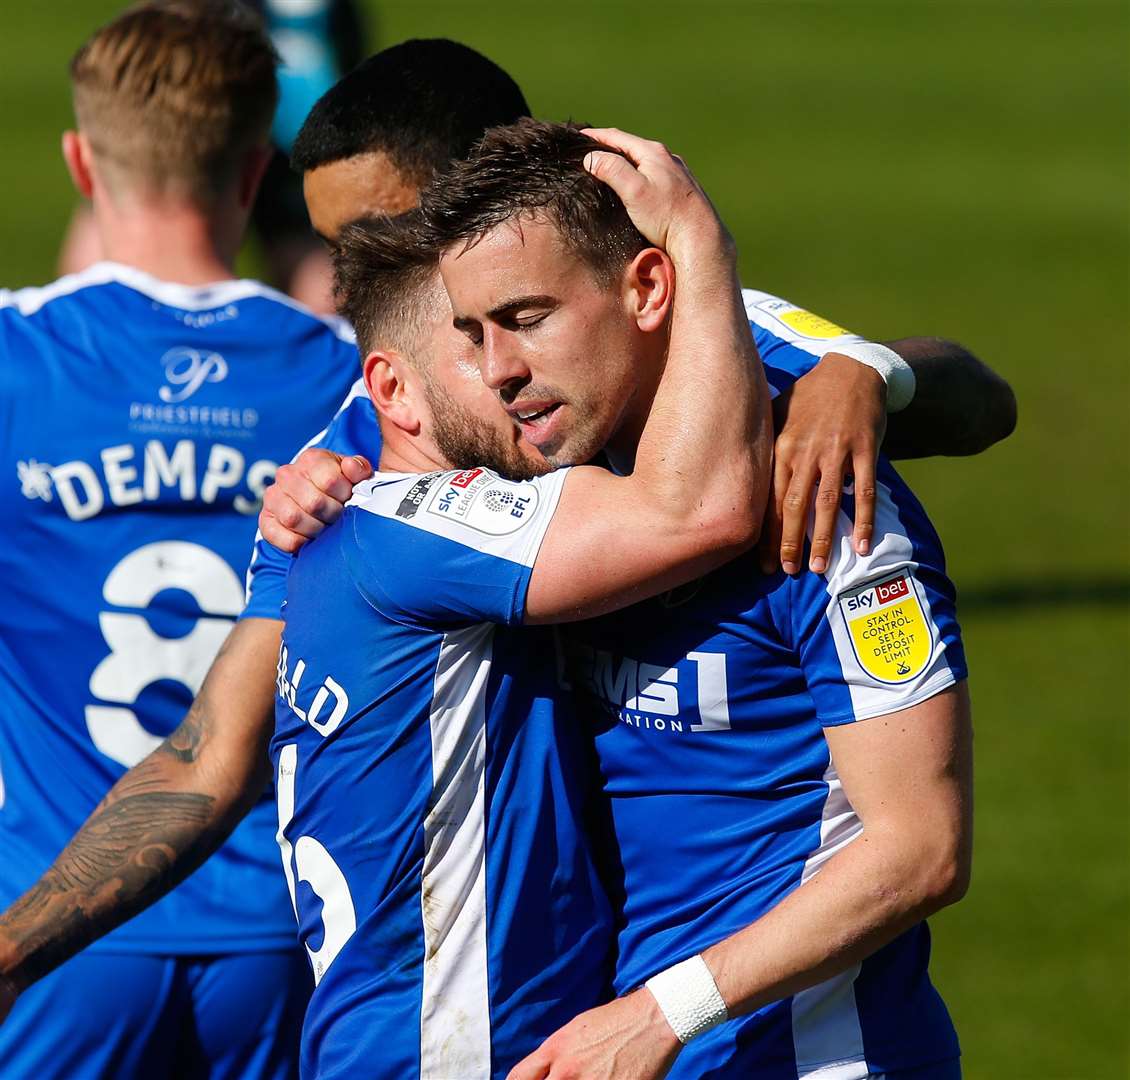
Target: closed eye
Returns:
[[522, 312], [525, 320], [471, 329]]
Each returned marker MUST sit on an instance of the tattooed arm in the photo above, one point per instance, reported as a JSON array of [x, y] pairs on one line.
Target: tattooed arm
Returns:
[[159, 822]]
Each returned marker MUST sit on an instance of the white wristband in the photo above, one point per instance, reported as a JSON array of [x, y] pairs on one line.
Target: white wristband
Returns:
[[688, 997], [892, 369]]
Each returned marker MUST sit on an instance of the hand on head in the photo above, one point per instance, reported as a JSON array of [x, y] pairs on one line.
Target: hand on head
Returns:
[[662, 196]]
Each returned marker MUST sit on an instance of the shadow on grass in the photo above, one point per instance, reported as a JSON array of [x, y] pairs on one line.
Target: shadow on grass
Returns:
[[1101, 592]]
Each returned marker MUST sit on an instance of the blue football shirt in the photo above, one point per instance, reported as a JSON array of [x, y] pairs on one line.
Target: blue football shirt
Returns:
[[711, 703], [140, 422], [790, 341], [433, 786]]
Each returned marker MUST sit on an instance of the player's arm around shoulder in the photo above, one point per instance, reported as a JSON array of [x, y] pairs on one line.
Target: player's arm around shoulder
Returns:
[[915, 397], [696, 495], [615, 541]]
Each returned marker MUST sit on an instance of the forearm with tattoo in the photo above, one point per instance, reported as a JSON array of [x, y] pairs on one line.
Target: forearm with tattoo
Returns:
[[160, 821]]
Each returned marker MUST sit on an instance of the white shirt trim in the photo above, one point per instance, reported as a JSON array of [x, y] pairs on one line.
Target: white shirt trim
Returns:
[[455, 1031], [186, 297]]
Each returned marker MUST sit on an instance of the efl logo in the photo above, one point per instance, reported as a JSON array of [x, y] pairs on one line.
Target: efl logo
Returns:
[[463, 479]]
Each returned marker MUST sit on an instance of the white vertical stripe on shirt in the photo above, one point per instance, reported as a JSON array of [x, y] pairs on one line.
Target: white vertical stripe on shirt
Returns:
[[827, 1037], [455, 1037]]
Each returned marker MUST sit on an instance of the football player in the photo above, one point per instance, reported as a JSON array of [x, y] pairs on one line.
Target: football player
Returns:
[[144, 406], [792, 680], [433, 782], [317, 41], [787, 757]]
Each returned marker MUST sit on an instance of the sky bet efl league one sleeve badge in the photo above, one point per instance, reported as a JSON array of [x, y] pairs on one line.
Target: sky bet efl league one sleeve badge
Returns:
[[889, 631], [483, 501], [809, 325]]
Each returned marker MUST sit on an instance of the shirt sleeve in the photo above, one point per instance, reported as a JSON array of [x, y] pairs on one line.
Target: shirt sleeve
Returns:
[[877, 633], [266, 581], [449, 549], [789, 339], [353, 430]]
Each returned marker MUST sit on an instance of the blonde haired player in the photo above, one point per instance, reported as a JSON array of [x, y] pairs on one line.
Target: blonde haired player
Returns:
[[144, 404]]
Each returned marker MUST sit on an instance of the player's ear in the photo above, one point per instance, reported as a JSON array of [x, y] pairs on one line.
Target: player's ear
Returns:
[[649, 289], [76, 153], [251, 176], [390, 382]]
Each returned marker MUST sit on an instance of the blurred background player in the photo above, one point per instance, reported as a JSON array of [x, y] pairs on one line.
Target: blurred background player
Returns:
[[144, 404], [317, 42]]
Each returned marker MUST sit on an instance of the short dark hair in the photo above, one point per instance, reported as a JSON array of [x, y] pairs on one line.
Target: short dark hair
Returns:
[[424, 102], [535, 168], [382, 267]]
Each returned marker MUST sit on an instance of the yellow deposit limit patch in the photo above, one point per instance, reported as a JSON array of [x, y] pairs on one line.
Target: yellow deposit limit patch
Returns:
[[892, 638], [809, 325]]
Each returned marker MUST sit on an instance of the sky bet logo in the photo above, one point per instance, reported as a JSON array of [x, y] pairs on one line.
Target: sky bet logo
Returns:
[[890, 634], [464, 479], [460, 492], [881, 594]]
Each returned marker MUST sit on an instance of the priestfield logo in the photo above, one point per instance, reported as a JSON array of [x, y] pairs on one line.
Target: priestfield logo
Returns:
[[187, 370]]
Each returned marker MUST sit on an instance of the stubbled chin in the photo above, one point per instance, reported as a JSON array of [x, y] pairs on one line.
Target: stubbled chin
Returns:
[[567, 454], [561, 442]]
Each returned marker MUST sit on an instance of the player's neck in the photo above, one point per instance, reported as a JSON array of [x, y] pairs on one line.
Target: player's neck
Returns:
[[625, 440], [171, 241], [408, 454]]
